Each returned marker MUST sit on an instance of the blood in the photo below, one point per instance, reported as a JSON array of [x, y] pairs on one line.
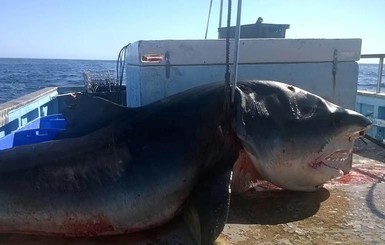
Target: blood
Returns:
[[364, 175], [94, 226], [244, 173]]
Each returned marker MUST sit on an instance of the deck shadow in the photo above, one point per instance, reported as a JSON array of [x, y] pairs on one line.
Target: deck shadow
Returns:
[[275, 206], [371, 200], [369, 150]]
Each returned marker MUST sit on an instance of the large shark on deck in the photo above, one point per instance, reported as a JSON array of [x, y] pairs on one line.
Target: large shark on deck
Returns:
[[116, 170]]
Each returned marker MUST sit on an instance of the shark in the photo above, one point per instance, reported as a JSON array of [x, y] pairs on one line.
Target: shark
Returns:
[[118, 170]]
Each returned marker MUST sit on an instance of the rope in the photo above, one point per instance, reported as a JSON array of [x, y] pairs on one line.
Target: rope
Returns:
[[120, 64], [227, 73], [227, 105]]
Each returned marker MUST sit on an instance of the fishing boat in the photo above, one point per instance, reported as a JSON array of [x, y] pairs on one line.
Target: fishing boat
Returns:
[[372, 103]]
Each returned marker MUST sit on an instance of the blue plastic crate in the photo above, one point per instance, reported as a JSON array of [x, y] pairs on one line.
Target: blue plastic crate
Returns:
[[26, 137], [39, 130], [32, 136], [6, 142], [51, 121]]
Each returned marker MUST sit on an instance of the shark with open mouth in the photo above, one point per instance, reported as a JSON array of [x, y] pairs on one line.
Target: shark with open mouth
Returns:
[[292, 138], [118, 170]]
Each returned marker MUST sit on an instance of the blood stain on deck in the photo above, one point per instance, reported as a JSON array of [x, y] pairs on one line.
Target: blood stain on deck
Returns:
[[350, 210]]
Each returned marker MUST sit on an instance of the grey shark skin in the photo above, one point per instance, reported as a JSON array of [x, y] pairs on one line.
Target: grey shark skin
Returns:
[[295, 139], [131, 173]]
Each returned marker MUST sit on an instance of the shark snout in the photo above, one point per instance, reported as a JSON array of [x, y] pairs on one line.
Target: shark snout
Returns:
[[354, 123], [358, 118], [350, 125]]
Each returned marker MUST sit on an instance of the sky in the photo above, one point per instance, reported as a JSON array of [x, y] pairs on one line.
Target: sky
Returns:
[[98, 29]]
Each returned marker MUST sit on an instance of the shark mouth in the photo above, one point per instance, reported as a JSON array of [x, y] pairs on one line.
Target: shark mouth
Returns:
[[339, 159], [335, 160]]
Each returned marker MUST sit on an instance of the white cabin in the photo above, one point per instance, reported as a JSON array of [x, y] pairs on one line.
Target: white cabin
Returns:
[[160, 68]]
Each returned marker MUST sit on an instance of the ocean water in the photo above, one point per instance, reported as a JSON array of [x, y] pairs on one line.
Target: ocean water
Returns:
[[22, 76], [367, 77]]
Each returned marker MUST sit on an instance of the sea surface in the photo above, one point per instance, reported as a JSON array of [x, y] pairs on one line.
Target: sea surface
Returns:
[[22, 76]]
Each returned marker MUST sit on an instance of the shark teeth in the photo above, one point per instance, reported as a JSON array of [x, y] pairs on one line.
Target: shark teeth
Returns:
[[336, 159], [333, 160]]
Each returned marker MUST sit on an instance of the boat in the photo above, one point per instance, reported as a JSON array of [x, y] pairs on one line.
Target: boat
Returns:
[[372, 103], [327, 67]]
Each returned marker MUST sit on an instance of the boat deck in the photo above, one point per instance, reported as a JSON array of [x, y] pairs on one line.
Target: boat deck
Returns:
[[350, 210]]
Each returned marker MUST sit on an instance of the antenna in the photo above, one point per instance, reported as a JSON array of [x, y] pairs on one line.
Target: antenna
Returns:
[[220, 14], [208, 18]]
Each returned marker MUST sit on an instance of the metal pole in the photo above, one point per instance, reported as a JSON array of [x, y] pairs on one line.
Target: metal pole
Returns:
[[220, 14], [208, 19], [379, 79], [236, 50]]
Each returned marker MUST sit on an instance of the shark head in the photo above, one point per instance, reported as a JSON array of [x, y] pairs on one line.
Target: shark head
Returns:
[[295, 139]]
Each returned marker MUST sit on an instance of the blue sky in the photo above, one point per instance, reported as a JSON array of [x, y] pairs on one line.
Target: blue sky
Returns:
[[97, 29]]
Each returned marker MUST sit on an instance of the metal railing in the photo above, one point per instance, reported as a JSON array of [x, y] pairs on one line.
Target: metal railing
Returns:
[[380, 67]]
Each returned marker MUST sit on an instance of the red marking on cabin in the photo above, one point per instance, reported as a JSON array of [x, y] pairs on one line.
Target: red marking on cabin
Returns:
[[364, 175]]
